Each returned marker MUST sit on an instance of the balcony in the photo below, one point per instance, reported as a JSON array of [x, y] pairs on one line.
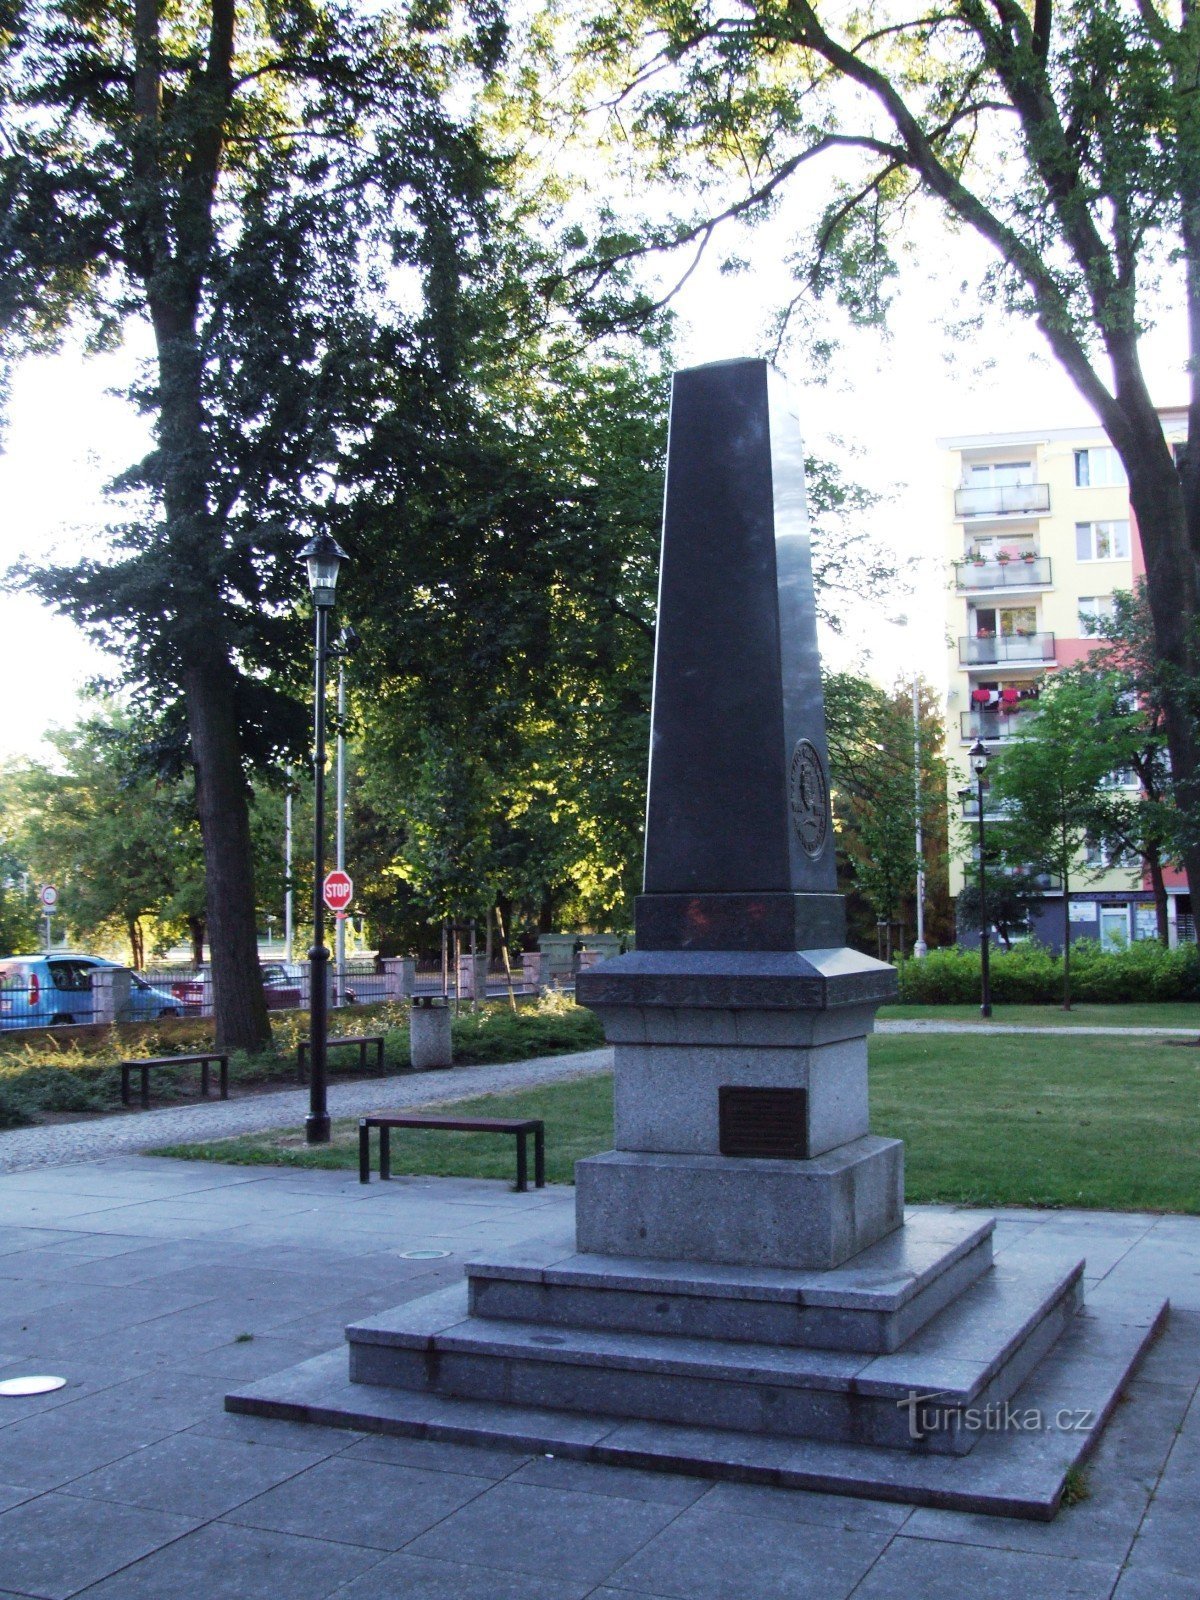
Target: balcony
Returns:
[[993, 810], [1035, 648], [994, 727], [1020, 573], [1002, 500]]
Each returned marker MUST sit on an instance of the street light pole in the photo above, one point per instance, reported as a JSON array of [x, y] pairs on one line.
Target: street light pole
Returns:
[[920, 948], [323, 556], [288, 929], [339, 956], [979, 762]]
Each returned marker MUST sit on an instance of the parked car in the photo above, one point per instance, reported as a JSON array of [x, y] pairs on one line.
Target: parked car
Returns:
[[282, 989], [49, 990]]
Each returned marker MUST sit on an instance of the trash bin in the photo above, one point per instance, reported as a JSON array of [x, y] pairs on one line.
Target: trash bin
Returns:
[[429, 1033]]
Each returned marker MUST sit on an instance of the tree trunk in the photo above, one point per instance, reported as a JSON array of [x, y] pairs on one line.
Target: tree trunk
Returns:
[[196, 933], [546, 912], [1066, 878], [222, 800], [1157, 497], [137, 945], [1158, 884]]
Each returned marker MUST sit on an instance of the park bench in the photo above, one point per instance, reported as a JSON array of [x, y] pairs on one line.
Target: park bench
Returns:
[[362, 1040], [518, 1126], [202, 1061]]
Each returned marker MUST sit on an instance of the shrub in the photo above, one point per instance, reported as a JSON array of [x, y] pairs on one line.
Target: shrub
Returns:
[[1030, 975]]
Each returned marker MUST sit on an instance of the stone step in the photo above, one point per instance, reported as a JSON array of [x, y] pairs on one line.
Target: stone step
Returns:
[[874, 1303], [974, 1354], [1016, 1470]]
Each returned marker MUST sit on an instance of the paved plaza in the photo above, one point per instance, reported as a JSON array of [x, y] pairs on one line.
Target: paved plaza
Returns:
[[155, 1286]]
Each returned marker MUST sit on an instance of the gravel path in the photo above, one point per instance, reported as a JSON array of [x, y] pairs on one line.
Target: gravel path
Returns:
[[101, 1137]]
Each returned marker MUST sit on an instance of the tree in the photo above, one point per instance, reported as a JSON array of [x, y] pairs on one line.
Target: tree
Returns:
[[1139, 820], [1044, 783], [1011, 902], [269, 187], [1067, 138], [107, 835], [871, 759]]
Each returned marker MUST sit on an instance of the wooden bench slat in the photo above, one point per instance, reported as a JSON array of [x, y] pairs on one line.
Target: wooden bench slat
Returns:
[[202, 1060]]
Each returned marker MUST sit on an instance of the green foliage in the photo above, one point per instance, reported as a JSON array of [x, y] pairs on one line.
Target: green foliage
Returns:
[[871, 760], [48, 1074], [1030, 974]]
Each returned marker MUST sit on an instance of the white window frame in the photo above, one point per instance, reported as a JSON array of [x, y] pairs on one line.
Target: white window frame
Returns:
[[1099, 467], [1095, 608], [1118, 532]]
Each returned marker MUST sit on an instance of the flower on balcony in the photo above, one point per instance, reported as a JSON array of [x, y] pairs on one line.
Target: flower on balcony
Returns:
[[1028, 557]]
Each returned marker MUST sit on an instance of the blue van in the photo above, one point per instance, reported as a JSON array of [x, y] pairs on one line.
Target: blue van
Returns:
[[46, 991]]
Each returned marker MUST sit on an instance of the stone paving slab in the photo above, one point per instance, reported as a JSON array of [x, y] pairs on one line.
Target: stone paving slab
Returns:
[[135, 1398]]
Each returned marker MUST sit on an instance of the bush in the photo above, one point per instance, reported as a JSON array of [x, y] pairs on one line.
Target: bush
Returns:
[[1030, 975]]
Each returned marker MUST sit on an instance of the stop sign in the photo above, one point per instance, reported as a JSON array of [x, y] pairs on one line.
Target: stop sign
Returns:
[[338, 891]]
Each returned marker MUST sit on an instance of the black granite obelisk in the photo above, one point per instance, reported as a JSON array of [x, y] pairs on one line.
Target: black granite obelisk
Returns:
[[739, 845]]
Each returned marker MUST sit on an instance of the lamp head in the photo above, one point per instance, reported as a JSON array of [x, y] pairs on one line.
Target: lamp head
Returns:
[[323, 556], [979, 758]]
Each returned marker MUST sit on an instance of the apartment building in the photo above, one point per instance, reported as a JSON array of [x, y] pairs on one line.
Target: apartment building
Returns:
[[1041, 536]]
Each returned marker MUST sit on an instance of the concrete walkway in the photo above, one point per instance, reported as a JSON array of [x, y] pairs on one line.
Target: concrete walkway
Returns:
[[154, 1286], [24, 1148]]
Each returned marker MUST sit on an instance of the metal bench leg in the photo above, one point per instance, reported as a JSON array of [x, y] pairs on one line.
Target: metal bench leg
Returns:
[[204, 1079], [300, 1078], [539, 1158], [522, 1174], [385, 1152], [145, 1088], [224, 1077], [124, 1085], [364, 1153]]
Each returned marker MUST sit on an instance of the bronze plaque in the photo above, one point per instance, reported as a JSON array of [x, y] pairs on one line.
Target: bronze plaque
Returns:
[[771, 1124]]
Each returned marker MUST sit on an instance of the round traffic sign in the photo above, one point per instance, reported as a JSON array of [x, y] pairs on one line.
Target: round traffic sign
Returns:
[[339, 890], [49, 896]]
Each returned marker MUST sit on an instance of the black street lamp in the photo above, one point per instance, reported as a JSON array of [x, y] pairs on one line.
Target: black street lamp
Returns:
[[323, 557], [979, 763]]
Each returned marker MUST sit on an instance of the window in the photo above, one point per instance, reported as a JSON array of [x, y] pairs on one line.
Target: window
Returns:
[[1098, 468], [1102, 541], [1099, 855], [1093, 610], [998, 474]]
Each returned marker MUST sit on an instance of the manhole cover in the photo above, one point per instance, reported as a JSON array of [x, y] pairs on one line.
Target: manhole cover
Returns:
[[22, 1386], [424, 1255]]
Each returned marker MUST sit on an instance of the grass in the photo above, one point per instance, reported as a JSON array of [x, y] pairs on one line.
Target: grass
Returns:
[[1163, 1014], [1105, 1123]]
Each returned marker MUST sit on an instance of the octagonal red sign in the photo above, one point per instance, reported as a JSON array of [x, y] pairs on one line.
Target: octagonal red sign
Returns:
[[338, 891]]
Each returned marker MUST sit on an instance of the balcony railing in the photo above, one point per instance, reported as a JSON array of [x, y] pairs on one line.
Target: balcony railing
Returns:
[[994, 726], [1015, 574], [1002, 500], [993, 810], [976, 652]]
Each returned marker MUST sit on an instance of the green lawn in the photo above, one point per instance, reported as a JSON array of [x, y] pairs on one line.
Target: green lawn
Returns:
[[1165, 1014], [1108, 1123]]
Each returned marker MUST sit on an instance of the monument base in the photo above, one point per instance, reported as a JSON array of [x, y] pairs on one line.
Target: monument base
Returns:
[[805, 1215], [925, 1425]]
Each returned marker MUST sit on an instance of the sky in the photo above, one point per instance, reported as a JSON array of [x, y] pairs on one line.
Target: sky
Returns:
[[888, 401]]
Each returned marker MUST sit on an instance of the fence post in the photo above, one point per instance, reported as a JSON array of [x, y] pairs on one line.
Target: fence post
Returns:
[[110, 994], [399, 975], [472, 973], [536, 970]]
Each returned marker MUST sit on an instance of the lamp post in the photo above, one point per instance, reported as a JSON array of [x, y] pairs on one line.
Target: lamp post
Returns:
[[920, 948], [979, 764], [323, 557]]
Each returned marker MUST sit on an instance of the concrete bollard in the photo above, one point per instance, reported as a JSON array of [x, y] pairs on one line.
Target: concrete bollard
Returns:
[[429, 1043], [399, 977], [110, 994]]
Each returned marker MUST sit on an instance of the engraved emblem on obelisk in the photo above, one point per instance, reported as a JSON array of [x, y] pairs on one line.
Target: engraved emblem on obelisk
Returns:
[[809, 795]]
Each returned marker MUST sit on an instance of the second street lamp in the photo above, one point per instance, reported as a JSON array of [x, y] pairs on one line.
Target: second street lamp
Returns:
[[979, 765], [323, 557]]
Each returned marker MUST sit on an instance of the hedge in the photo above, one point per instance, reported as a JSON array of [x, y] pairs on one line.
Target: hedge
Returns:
[[1030, 974]]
